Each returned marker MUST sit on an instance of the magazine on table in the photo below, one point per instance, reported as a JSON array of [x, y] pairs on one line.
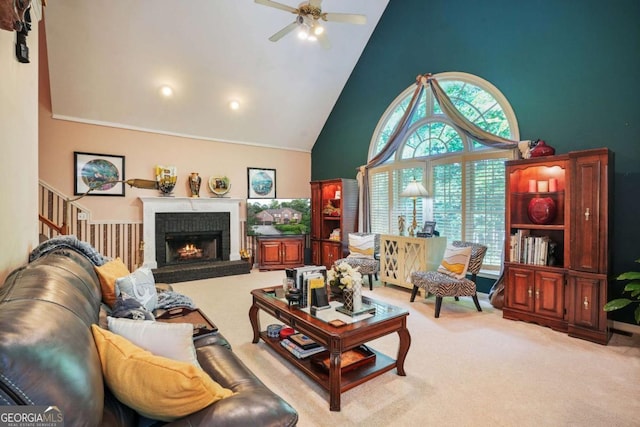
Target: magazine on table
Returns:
[[299, 352]]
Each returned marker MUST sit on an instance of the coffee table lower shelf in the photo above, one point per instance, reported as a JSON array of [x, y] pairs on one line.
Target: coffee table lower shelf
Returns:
[[349, 380]]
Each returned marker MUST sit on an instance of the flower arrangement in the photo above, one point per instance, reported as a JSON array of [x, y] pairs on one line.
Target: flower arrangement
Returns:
[[343, 275]]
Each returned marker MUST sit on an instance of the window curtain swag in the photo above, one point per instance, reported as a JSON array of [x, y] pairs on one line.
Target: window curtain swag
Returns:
[[397, 137]]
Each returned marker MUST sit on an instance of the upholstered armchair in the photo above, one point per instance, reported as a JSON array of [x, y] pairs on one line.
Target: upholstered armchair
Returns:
[[364, 249], [450, 279]]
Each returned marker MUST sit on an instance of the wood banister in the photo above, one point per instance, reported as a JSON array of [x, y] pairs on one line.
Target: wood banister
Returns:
[[62, 229]]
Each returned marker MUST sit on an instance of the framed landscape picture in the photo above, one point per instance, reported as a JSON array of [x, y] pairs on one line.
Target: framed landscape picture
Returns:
[[100, 173], [261, 183]]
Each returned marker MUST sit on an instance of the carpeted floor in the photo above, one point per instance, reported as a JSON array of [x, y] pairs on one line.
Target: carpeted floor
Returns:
[[464, 369]]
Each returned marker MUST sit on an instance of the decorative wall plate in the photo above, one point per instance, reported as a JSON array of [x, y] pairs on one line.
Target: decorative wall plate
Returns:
[[219, 185]]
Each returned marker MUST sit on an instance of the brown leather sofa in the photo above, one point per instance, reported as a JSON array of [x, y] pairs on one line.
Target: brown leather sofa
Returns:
[[48, 356]]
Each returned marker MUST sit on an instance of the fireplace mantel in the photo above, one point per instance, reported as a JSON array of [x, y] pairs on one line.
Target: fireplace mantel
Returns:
[[153, 205]]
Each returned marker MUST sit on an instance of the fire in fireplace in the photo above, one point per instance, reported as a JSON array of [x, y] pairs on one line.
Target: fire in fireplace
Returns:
[[190, 247], [190, 237]]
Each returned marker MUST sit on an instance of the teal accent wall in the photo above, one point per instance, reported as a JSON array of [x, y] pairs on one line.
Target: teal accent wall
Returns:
[[570, 70]]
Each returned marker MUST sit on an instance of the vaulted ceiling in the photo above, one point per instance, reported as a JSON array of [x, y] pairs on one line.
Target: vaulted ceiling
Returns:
[[109, 59]]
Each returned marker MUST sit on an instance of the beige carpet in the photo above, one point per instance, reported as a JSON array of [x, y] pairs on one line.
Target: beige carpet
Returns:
[[464, 369]]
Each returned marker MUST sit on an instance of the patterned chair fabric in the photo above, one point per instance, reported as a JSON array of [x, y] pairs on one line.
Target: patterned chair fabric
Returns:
[[442, 285], [367, 266]]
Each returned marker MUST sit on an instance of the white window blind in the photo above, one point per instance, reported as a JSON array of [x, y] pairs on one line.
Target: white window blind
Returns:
[[484, 205], [380, 209], [447, 200]]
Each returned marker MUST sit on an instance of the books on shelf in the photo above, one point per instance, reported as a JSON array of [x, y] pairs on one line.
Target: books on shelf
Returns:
[[298, 351], [527, 249]]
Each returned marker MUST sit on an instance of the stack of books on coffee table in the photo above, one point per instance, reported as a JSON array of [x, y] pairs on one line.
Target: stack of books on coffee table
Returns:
[[301, 346]]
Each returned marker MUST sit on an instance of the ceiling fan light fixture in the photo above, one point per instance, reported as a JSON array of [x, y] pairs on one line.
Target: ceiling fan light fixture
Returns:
[[303, 32], [234, 105], [308, 19]]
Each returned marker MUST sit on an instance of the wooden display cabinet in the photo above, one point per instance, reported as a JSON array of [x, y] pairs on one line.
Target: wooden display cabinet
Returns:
[[334, 213], [564, 288], [330, 252], [278, 253], [537, 295]]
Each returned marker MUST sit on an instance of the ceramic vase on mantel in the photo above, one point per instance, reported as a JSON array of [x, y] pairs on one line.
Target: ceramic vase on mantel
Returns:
[[166, 177], [194, 184]]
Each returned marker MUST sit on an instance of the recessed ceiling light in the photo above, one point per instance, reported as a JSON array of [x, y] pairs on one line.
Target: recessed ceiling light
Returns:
[[234, 105], [166, 91]]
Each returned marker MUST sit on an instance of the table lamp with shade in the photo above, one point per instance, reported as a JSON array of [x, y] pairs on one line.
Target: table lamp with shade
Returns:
[[414, 190]]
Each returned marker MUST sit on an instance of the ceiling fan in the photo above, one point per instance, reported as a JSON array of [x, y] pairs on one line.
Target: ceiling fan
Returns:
[[308, 20]]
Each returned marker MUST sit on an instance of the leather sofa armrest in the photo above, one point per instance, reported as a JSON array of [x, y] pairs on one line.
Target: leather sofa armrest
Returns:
[[214, 338], [252, 404]]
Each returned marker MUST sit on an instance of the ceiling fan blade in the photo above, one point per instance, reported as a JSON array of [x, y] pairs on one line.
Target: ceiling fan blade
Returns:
[[315, 3], [348, 18], [277, 5], [324, 41], [283, 32]]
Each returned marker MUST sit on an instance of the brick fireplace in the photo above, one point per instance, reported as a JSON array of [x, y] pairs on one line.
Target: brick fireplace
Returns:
[[192, 238]]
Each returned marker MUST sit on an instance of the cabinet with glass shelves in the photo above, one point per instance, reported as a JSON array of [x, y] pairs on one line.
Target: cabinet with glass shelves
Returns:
[[334, 209], [536, 212]]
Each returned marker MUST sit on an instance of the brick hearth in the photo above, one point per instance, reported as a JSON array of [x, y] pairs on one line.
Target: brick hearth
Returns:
[[187, 272]]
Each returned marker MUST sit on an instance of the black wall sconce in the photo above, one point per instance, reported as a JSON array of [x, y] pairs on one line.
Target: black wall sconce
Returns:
[[15, 16], [22, 50]]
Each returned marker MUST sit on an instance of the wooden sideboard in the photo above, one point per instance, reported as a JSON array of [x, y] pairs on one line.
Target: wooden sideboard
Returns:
[[401, 255], [278, 253]]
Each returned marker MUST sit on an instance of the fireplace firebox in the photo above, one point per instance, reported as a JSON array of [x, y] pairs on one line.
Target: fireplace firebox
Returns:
[[192, 237], [188, 247]]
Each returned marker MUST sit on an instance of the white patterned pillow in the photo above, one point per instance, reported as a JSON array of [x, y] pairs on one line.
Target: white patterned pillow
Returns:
[[172, 340], [455, 262], [362, 245], [140, 285]]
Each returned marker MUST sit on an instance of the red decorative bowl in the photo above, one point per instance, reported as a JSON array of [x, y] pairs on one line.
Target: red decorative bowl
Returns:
[[542, 149], [542, 210]]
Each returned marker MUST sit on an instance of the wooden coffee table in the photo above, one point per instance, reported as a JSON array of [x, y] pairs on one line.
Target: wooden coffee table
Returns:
[[337, 340]]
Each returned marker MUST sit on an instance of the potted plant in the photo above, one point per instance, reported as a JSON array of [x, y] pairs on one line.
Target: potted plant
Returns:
[[633, 288]]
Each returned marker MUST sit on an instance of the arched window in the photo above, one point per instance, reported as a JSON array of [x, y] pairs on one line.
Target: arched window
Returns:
[[466, 180]]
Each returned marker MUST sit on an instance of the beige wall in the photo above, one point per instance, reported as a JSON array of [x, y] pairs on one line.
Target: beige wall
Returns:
[[143, 151], [19, 155]]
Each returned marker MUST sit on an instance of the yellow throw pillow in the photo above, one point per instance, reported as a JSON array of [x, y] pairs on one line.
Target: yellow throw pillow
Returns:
[[156, 387], [108, 273], [361, 245], [455, 261]]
